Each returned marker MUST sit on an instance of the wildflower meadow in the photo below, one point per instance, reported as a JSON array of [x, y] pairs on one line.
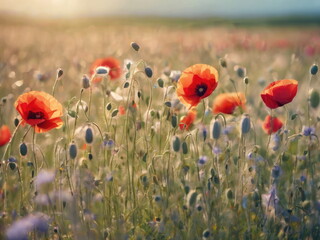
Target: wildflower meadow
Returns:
[[159, 131]]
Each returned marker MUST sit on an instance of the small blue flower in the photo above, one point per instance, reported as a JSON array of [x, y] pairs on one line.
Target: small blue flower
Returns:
[[202, 160], [216, 150], [276, 171], [308, 131]]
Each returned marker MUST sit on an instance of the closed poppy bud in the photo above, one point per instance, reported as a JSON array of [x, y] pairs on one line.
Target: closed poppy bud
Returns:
[[59, 73], [5, 135], [184, 148], [314, 69], [196, 83], [85, 81], [73, 151], [174, 121], [148, 72], [135, 46], [160, 82], [229, 194], [271, 124], [16, 122], [279, 93], [223, 62], [245, 124], [228, 102], [102, 70], [314, 98], [246, 80], [176, 144], [216, 129], [89, 135], [23, 149]]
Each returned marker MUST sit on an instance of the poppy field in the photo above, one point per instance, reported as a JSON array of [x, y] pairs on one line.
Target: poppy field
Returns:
[[117, 131]]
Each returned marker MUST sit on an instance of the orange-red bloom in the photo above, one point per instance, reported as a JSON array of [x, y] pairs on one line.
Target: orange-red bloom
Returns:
[[5, 135], [227, 102], [271, 124], [279, 93], [40, 110], [195, 83], [110, 62], [187, 120]]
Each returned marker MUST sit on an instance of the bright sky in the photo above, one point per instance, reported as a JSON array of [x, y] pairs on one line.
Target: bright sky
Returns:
[[173, 8]]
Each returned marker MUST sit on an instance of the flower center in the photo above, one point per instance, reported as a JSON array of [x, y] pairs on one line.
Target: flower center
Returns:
[[201, 90], [35, 115]]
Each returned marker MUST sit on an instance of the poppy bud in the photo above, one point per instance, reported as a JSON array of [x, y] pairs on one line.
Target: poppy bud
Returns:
[[229, 194], [85, 82], [126, 85], [73, 150], [206, 233], [4, 100], [59, 72], [314, 69], [176, 144], [314, 98], [184, 148], [216, 129], [23, 149], [192, 198], [90, 156], [168, 104], [148, 72], [241, 72], [246, 80], [109, 106], [135, 46], [16, 122], [223, 62], [89, 135], [114, 113], [245, 124], [160, 82], [102, 70], [174, 121]]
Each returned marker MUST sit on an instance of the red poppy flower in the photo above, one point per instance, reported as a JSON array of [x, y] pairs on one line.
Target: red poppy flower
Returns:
[[40, 110], [271, 124], [187, 120], [122, 110], [227, 102], [195, 83], [279, 93], [5, 135], [110, 62]]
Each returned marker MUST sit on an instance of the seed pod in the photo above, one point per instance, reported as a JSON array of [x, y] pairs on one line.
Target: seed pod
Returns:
[[135, 46], [73, 151], [176, 143], [160, 82], [23, 149], [245, 124], [148, 72], [184, 148], [85, 81], [89, 135], [314, 98], [90, 156], [314, 69], [174, 121], [216, 129]]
